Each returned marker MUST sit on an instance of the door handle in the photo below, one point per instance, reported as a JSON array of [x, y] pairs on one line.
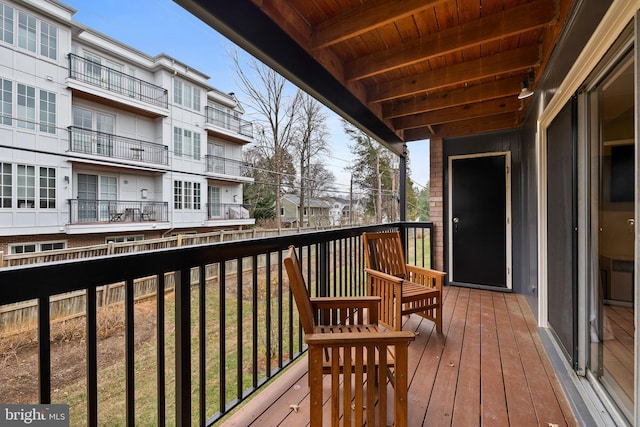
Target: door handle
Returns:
[[455, 221]]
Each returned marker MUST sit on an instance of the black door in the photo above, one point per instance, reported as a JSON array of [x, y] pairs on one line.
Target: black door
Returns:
[[479, 220]]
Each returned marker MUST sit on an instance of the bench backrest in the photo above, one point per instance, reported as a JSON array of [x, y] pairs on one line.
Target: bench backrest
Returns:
[[299, 289], [383, 252]]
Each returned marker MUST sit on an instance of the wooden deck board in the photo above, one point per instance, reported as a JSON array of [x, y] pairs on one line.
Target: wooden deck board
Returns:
[[487, 368], [466, 410]]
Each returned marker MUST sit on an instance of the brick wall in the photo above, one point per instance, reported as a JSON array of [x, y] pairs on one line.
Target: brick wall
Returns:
[[436, 200]]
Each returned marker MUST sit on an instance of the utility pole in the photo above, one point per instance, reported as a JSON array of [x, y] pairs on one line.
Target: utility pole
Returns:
[[351, 201]]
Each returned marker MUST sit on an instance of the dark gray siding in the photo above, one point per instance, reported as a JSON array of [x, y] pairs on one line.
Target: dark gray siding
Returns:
[[583, 19]]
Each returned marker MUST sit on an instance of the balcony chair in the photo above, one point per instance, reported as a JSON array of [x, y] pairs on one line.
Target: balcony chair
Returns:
[[148, 213], [114, 215], [403, 289], [343, 341]]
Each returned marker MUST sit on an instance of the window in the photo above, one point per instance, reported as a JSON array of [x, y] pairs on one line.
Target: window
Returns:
[[186, 143], [47, 188], [6, 100], [196, 99], [26, 177], [26, 106], [177, 141], [47, 111], [187, 100], [121, 239], [6, 23], [52, 246], [196, 146], [26, 248], [177, 91], [186, 195], [177, 194], [186, 94], [27, 187], [196, 195], [6, 186], [48, 40], [26, 31], [23, 249]]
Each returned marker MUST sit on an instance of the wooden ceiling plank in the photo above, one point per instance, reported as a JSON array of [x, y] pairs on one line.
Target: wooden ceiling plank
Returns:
[[476, 93], [367, 17], [484, 124], [461, 112], [464, 72], [491, 28]]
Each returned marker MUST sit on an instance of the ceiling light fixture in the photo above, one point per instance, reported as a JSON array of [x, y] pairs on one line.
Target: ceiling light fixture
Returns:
[[525, 91]]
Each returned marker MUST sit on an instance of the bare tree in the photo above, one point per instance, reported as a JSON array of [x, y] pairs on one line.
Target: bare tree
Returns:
[[311, 141], [275, 112]]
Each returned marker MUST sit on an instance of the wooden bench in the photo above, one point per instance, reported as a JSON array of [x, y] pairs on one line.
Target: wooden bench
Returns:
[[345, 342], [403, 288]]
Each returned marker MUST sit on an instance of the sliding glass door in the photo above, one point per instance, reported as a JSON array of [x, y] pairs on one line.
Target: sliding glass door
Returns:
[[612, 289]]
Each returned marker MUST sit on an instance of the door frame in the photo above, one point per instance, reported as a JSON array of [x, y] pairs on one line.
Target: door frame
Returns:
[[508, 216]]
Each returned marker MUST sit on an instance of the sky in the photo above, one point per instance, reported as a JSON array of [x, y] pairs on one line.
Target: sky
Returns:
[[162, 26]]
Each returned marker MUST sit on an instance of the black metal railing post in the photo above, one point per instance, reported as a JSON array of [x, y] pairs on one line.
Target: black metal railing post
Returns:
[[183, 346], [160, 353], [129, 321], [44, 349], [92, 357]]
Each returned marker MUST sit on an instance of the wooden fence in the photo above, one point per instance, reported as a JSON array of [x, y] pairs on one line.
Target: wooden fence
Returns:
[[22, 316]]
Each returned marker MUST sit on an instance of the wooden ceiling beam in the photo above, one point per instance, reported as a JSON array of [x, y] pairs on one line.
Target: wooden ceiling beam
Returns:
[[487, 29], [468, 95], [464, 72], [462, 112], [366, 17]]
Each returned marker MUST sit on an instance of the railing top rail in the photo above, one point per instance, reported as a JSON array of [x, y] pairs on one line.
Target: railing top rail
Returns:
[[71, 275], [118, 72], [124, 138]]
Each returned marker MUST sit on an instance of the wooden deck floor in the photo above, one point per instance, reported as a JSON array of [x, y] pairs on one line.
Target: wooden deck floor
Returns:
[[487, 368]]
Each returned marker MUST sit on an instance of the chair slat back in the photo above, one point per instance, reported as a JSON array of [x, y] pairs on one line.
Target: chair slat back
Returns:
[[299, 289], [383, 252]]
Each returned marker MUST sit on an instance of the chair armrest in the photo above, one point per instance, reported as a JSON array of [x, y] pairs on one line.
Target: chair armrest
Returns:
[[348, 306], [426, 276], [360, 338], [383, 276], [330, 302]]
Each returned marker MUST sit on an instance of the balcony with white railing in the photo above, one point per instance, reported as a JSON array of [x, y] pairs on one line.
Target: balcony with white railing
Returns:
[[228, 169], [223, 124], [95, 81], [100, 144], [116, 212]]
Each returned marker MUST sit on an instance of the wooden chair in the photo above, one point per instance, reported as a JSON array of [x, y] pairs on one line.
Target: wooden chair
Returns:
[[343, 342], [403, 288]]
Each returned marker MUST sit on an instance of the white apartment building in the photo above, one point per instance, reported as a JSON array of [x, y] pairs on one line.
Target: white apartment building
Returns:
[[101, 142]]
